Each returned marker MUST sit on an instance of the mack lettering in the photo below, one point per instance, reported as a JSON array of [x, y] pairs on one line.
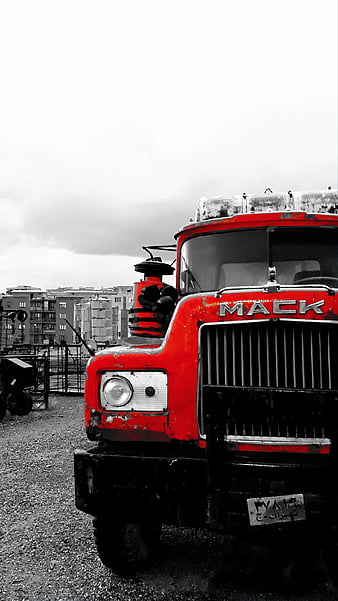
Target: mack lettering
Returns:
[[278, 307]]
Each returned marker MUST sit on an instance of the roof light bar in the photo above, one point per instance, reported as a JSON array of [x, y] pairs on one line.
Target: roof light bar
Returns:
[[323, 201]]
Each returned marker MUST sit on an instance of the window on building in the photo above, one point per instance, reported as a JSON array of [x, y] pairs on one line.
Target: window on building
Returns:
[[63, 315], [63, 326], [62, 337], [63, 305], [118, 299], [22, 304]]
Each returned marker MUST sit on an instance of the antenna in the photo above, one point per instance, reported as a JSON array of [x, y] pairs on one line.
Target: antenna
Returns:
[[90, 350]]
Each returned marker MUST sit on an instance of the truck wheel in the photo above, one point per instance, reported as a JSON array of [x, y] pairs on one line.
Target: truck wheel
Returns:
[[127, 545], [3, 406], [20, 403]]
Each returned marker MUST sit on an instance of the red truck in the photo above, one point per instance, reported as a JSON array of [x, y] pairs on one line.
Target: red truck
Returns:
[[223, 413]]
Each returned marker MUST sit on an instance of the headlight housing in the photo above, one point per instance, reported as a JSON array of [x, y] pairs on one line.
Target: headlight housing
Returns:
[[134, 391], [117, 391]]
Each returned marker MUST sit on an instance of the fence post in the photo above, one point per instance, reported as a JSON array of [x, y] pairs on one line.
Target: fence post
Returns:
[[46, 379], [66, 366]]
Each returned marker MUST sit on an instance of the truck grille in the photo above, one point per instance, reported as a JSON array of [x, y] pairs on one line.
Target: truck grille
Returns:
[[269, 378], [272, 354]]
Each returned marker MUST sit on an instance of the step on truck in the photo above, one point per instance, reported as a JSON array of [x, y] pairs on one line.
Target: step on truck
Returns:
[[221, 410]]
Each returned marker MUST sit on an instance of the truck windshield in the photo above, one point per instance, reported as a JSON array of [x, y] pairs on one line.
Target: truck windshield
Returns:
[[241, 258]]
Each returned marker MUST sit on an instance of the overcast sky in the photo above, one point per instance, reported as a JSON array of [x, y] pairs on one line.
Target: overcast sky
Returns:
[[116, 116]]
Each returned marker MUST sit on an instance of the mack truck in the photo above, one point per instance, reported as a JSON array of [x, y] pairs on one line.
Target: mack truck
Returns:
[[221, 410]]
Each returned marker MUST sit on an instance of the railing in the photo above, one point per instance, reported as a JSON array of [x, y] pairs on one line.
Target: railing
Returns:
[[59, 369], [67, 366]]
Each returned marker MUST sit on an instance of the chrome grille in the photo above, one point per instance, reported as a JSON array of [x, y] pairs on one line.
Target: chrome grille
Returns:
[[270, 354], [269, 378]]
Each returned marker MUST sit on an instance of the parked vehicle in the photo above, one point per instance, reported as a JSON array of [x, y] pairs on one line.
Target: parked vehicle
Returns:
[[16, 376], [223, 411]]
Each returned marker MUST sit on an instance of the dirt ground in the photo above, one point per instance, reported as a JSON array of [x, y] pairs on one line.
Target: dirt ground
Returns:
[[47, 547]]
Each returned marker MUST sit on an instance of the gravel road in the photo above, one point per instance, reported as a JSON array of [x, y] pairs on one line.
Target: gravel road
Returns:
[[47, 547]]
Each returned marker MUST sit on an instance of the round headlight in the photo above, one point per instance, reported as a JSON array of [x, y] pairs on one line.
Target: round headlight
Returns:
[[117, 391]]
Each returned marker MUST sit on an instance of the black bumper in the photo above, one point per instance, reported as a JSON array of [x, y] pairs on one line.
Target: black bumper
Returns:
[[132, 486], [180, 491]]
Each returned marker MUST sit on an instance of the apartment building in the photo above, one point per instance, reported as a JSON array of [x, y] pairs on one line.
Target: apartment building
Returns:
[[45, 323], [104, 316], [97, 319], [99, 314]]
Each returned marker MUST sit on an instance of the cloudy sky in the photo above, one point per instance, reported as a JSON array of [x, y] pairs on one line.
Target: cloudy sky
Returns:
[[117, 115]]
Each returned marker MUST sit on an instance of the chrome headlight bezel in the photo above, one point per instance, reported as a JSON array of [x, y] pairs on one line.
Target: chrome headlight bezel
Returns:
[[117, 391], [150, 391]]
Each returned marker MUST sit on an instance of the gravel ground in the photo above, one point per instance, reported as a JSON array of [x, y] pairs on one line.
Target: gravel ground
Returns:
[[47, 547]]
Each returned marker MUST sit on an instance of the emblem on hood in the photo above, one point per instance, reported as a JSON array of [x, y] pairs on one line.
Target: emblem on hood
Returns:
[[276, 307]]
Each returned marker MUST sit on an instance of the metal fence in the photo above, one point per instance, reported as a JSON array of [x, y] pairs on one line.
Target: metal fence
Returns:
[[67, 366], [59, 369]]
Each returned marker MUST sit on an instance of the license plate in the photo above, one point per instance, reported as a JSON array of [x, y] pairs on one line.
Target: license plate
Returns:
[[275, 510]]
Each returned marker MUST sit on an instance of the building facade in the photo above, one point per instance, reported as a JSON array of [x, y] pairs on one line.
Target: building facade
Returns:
[[103, 317], [46, 318], [96, 314]]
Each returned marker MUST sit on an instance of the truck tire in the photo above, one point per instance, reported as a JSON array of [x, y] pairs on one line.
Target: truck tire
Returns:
[[3, 406], [126, 546]]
